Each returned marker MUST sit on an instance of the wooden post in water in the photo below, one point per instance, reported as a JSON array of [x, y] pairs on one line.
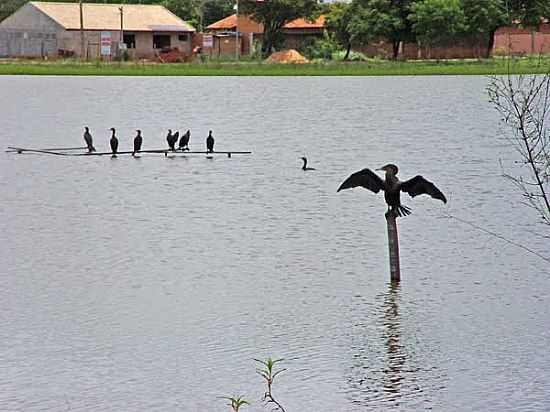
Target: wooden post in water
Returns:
[[393, 246]]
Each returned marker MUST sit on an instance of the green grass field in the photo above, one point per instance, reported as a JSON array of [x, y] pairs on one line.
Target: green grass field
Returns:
[[370, 68]]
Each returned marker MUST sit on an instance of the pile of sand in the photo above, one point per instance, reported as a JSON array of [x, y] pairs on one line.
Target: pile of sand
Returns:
[[287, 56]]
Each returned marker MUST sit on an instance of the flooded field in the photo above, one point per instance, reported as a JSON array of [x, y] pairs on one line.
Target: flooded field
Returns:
[[150, 284]]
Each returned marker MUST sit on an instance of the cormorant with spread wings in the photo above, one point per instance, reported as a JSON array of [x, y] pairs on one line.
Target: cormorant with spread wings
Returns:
[[393, 187]]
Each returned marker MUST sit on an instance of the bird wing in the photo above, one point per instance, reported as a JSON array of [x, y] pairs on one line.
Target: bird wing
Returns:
[[176, 136], [365, 178], [419, 186]]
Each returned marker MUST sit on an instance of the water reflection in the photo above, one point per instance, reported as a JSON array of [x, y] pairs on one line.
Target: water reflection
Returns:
[[396, 357], [384, 369]]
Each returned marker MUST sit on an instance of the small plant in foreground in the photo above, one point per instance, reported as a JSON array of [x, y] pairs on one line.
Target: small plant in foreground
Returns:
[[269, 376], [236, 402]]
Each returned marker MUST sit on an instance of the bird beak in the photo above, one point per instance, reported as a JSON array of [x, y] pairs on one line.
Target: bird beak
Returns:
[[380, 168]]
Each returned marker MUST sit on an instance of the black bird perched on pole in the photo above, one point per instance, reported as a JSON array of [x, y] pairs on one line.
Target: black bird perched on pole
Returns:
[[184, 141], [88, 139], [172, 139], [138, 140], [304, 167], [113, 142], [210, 142], [393, 187]]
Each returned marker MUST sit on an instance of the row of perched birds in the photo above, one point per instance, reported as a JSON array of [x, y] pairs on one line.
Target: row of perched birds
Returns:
[[366, 178], [171, 139]]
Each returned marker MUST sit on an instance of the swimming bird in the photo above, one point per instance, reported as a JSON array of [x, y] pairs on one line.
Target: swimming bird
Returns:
[[304, 167], [138, 140], [184, 141], [172, 139], [210, 142], [393, 187], [88, 139], [114, 142]]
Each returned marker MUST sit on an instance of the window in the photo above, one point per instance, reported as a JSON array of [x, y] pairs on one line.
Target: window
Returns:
[[183, 37], [130, 41], [161, 41]]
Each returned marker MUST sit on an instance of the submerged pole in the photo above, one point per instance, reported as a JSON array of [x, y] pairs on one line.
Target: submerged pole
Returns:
[[393, 246]]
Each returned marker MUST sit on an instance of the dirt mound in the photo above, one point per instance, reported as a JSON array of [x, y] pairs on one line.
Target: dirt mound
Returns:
[[287, 56]]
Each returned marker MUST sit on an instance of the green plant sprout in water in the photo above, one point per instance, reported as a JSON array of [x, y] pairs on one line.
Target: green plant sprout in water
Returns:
[[269, 376], [236, 402]]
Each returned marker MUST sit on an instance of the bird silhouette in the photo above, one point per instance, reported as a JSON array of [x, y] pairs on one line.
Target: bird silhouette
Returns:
[[184, 141], [138, 140], [88, 139], [210, 142], [393, 187], [113, 142]]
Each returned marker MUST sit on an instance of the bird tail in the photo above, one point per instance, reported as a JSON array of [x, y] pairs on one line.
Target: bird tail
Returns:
[[402, 211]]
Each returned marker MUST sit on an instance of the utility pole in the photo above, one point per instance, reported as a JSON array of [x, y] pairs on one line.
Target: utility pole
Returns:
[[237, 32], [121, 8], [81, 31]]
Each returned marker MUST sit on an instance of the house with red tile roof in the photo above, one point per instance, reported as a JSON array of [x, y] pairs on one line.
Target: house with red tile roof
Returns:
[[296, 33]]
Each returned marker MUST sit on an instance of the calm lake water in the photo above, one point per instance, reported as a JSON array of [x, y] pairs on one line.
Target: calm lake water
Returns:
[[150, 284]]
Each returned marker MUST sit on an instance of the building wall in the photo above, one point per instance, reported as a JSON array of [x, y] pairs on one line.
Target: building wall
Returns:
[[526, 41], [28, 33], [70, 41]]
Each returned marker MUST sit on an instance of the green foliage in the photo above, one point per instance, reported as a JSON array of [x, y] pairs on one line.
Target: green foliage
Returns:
[[323, 48], [528, 12], [337, 21], [483, 16], [269, 374], [373, 19], [352, 56], [274, 14], [435, 21], [214, 10], [236, 402]]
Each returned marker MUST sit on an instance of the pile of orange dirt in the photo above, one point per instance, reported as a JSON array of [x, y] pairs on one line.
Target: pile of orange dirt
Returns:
[[287, 56]]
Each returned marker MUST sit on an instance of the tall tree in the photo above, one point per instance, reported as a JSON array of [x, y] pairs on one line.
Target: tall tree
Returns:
[[337, 21], [274, 14], [437, 21], [483, 18], [382, 19]]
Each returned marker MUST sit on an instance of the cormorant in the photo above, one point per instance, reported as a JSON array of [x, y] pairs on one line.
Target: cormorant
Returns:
[[304, 167], [114, 142], [184, 141], [138, 140], [210, 142], [88, 140], [172, 139], [392, 187]]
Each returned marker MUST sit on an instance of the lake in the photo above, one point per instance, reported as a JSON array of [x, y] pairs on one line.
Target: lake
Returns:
[[151, 284]]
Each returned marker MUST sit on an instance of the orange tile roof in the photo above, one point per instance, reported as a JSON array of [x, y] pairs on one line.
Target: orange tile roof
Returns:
[[318, 23], [230, 23]]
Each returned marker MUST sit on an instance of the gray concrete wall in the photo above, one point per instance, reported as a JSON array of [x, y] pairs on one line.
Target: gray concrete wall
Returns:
[[28, 33]]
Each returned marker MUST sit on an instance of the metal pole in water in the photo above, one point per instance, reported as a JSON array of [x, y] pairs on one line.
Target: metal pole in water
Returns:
[[393, 246]]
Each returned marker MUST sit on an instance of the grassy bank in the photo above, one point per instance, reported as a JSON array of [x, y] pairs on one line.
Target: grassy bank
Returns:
[[370, 68]]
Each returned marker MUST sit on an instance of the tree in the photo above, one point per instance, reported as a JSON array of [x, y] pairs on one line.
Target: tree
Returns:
[[527, 12], [437, 21], [274, 14], [524, 103], [188, 10], [337, 21], [382, 19], [483, 18], [214, 10]]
